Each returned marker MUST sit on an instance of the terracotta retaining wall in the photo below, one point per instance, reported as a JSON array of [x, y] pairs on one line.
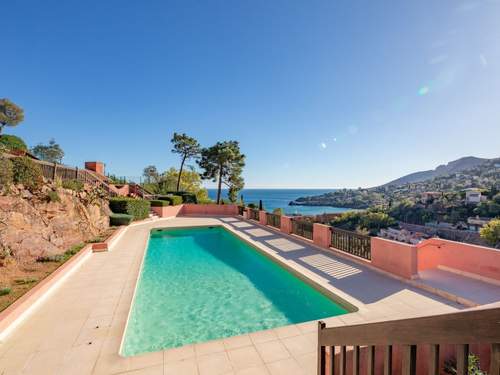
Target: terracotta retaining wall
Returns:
[[209, 209], [459, 256], [394, 257]]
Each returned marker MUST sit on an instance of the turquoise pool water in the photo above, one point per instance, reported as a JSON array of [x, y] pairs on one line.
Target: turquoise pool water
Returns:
[[199, 284]]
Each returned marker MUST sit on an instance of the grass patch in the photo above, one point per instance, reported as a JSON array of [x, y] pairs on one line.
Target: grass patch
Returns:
[[4, 291], [25, 281]]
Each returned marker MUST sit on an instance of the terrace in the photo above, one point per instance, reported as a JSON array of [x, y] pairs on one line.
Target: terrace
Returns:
[[77, 325]]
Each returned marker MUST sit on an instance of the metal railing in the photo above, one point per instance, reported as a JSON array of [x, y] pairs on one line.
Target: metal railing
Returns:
[[459, 329], [273, 220], [351, 242], [253, 214], [302, 228]]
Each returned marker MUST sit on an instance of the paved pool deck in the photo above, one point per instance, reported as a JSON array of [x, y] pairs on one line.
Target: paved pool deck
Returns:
[[78, 329]]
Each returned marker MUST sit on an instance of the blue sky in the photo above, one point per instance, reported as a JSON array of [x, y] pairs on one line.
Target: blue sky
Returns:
[[320, 94]]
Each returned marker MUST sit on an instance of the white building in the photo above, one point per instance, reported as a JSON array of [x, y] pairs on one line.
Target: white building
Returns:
[[472, 196]]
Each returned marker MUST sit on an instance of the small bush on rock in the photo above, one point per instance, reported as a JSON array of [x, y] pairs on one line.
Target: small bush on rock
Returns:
[[27, 172], [138, 208], [6, 172], [4, 291], [74, 185], [120, 219], [52, 196]]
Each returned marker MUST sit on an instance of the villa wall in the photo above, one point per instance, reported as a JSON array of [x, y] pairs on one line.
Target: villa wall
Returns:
[[472, 259], [395, 257], [209, 209], [167, 211], [196, 209]]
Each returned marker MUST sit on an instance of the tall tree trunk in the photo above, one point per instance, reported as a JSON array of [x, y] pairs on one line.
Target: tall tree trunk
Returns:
[[180, 173], [219, 187]]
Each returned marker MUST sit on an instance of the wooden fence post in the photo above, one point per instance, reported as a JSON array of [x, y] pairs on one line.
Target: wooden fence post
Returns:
[[54, 175]]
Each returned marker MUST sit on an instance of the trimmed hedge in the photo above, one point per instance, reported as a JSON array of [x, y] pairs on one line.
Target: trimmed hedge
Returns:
[[138, 208], [173, 199], [159, 203], [120, 219], [187, 197]]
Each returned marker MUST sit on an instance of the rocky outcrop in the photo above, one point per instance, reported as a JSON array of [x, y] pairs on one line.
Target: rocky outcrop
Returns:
[[50, 220]]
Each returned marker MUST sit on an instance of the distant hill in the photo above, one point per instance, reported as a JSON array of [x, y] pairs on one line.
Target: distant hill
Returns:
[[459, 165]]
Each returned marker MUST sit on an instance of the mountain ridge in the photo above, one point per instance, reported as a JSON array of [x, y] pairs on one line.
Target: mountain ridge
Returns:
[[454, 166]]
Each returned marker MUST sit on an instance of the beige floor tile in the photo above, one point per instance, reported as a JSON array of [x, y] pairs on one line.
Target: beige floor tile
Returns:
[[45, 362], [14, 363], [272, 351], [237, 342], [111, 364], [285, 367], [244, 357], [308, 362], [209, 347], [263, 336], [185, 367], [307, 327], [214, 364], [298, 345], [80, 360], [258, 370], [178, 354], [146, 360], [287, 331], [154, 370]]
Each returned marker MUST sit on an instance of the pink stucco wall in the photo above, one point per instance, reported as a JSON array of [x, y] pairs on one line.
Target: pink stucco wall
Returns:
[[168, 211], [209, 209], [123, 190], [263, 217], [322, 235], [196, 209], [395, 257], [479, 260], [286, 224]]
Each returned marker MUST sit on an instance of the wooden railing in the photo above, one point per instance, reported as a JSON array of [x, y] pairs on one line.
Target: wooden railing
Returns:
[[302, 228], [53, 171], [352, 243], [273, 220], [460, 329], [253, 214]]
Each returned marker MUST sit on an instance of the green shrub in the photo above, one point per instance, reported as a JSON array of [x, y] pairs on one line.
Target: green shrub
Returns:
[[186, 196], [173, 199], [159, 203], [11, 142], [26, 172], [52, 196], [61, 257], [138, 208], [4, 291], [120, 219], [491, 232], [6, 172], [25, 281], [74, 185]]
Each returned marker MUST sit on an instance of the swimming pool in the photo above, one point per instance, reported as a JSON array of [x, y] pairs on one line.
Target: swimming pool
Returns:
[[204, 283]]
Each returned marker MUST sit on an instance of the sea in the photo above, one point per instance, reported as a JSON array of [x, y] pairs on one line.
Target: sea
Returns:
[[280, 198]]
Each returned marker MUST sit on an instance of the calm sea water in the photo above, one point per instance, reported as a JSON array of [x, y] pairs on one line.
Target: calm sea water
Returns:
[[201, 284], [279, 198]]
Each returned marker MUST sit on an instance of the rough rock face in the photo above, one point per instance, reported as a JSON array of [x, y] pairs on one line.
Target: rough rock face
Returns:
[[33, 224]]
